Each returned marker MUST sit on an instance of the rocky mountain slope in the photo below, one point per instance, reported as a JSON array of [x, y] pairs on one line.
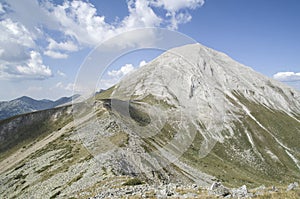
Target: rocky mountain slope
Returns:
[[26, 104], [191, 116], [199, 106]]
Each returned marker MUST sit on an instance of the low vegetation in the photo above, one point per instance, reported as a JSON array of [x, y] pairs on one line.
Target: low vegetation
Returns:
[[35, 126], [236, 162], [133, 182]]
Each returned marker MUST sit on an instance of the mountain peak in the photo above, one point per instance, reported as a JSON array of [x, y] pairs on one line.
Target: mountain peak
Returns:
[[24, 98], [27, 104], [198, 70], [217, 105]]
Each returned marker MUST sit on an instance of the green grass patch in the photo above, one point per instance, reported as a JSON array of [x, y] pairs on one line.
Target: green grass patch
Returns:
[[106, 94], [119, 139], [20, 176], [133, 182], [235, 162], [78, 177], [41, 170]]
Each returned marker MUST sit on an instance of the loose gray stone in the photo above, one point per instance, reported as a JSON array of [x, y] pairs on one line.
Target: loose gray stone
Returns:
[[219, 190], [292, 186], [215, 185], [240, 192]]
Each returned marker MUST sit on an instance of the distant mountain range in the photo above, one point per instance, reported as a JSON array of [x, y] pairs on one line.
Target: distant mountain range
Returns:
[[26, 105]]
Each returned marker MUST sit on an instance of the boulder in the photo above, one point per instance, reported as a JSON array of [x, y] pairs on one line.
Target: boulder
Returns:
[[292, 186], [219, 190], [240, 192], [215, 185]]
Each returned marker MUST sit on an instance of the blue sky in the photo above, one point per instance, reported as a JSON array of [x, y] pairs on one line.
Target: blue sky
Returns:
[[43, 43]]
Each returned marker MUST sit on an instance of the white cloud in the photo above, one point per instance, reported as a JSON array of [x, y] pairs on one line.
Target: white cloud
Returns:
[[81, 21], [13, 52], [67, 87], [32, 68], [76, 25], [124, 70], [174, 7], [141, 15], [182, 18], [142, 63], [176, 19], [59, 50], [33, 14], [55, 54], [61, 73], [65, 46], [287, 76], [117, 75], [70, 87], [17, 59], [15, 39], [16, 33]]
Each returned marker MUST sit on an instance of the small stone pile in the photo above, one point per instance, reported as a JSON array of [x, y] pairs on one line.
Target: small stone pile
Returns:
[[218, 189], [185, 191], [150, 191]]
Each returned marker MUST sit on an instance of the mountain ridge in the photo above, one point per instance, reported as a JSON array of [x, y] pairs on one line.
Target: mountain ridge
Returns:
[[27, 104]]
